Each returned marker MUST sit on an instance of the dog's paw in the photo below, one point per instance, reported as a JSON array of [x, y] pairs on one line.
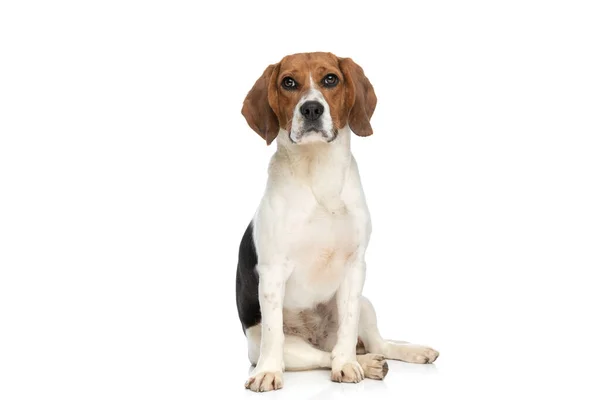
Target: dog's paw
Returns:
[[414, 353], [350, 372], [265, 381], [373, 365]]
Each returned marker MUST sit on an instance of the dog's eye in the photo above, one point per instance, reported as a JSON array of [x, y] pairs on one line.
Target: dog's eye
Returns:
[[288, 83], [330, 80]]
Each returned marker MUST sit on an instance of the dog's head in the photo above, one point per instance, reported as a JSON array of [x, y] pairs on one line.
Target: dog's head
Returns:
[[310, 96]]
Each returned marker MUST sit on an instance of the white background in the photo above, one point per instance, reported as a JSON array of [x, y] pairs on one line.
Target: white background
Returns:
[[128, 175]]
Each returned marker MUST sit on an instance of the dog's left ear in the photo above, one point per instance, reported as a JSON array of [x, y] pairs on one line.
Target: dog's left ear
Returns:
[[360, 97], [257, 107]]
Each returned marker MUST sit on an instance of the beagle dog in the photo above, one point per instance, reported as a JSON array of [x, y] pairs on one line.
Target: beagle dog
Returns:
[[301, 265]]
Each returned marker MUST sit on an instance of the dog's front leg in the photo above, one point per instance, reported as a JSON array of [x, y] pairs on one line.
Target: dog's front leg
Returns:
[[267, 375], [344, 367]]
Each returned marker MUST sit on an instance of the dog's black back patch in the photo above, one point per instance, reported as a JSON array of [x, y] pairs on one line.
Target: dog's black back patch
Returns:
[[247, 281]]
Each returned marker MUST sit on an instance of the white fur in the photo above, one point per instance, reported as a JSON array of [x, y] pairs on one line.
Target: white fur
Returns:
[[311, 231]]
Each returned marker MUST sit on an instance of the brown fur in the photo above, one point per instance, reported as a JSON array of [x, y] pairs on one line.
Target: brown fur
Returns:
[[317, 326], [268, 106], [314, 325]]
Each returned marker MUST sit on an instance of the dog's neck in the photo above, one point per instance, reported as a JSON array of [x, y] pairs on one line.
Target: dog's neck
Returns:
[[321, 166]]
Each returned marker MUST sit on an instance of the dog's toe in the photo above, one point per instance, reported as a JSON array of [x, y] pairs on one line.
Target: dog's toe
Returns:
[[374, 365], [265, 382], [350, 372]]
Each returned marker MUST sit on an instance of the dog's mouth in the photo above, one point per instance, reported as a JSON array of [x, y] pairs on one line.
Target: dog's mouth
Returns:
[[313, 134]]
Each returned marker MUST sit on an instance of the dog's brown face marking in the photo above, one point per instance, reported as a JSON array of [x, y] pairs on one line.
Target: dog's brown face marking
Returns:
[[302, 68], [271, 102]]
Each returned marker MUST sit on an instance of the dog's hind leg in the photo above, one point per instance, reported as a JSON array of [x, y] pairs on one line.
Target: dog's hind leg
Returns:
[[300, 355], [391, 349]]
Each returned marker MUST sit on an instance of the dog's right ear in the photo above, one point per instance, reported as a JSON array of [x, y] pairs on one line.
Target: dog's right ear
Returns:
[[257, 108]]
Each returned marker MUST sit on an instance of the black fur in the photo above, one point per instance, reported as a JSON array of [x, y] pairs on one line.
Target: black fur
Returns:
[[246, 284]]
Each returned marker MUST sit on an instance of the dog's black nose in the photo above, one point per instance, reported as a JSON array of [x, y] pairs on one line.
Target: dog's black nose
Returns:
[[312, 110]]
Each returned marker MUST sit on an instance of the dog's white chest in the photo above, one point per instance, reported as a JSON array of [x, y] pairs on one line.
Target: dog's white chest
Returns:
[[319, 253]]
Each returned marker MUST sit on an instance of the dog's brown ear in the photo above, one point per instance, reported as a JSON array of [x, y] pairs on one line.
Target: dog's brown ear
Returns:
[[360, 97], [257, 106]]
